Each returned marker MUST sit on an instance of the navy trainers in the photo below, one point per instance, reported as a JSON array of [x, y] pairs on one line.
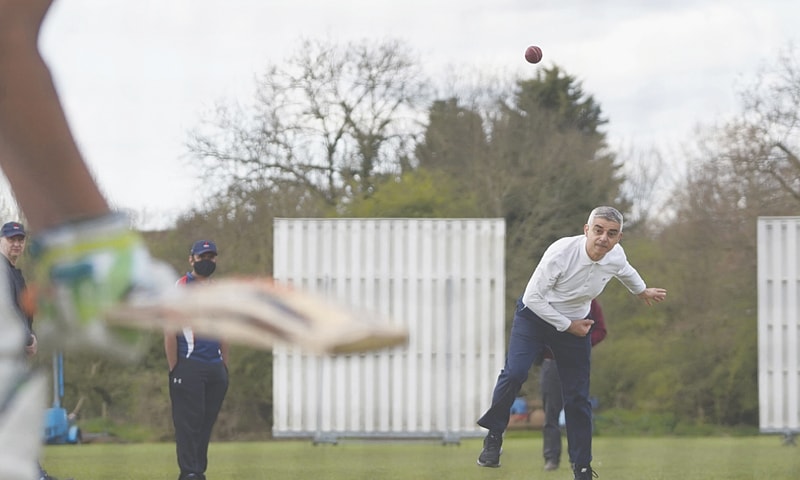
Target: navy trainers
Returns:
[[492, 448]]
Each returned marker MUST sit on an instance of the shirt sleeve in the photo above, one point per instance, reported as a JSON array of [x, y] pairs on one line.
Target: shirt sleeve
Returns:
[[535, 297], [631, 279]]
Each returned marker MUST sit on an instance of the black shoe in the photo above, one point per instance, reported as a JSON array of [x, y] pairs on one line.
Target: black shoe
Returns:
[[585, 473], [492, 448]]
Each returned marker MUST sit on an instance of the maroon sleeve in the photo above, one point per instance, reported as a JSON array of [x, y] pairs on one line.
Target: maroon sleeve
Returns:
[[599, 328]]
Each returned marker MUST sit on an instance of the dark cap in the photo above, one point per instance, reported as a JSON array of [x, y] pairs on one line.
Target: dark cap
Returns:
[[12, 229], [203, 246]]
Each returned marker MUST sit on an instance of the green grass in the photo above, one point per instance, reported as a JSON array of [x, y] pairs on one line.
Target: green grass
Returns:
[[615, 458]]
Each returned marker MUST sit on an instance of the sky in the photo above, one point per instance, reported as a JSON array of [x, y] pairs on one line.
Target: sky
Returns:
[[136, 76]]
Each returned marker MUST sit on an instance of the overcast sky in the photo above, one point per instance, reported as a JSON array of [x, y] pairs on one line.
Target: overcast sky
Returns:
[[135, 76]]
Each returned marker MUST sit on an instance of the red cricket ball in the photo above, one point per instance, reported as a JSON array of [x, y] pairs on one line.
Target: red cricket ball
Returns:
[[533, 54]]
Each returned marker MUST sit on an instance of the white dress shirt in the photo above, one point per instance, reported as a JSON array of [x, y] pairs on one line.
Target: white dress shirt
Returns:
[[566, 280]]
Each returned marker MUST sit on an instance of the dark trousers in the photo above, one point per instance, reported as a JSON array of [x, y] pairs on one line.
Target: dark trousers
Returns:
[[529, 336], [196, 390], [552, 403]]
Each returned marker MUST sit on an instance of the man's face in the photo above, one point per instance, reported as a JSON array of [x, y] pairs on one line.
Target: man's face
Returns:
[[601, 236], [12, 247]]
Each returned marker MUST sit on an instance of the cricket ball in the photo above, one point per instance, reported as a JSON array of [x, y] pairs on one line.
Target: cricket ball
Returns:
[[533, 54]]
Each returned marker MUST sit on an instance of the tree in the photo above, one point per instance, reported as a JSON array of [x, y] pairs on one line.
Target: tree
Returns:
[[555, 164], [647, 186], [455, 144], [560, 93], [417, 194], [742, 169], [332, 121], [771, 122]]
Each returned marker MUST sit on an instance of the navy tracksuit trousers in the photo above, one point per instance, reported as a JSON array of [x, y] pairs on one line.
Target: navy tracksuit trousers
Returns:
[[529, 336], [197, 389]]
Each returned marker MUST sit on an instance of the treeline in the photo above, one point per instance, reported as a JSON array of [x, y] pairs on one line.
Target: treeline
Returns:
[[357, 130]]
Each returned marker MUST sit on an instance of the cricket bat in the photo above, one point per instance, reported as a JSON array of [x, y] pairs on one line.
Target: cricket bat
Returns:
[[260, 313]]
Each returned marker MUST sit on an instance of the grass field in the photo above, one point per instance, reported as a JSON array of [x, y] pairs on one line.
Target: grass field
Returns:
[[615, 458]]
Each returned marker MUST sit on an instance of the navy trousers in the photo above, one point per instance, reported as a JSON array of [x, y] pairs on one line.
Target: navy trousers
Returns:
[[529, 336], [197, 390]]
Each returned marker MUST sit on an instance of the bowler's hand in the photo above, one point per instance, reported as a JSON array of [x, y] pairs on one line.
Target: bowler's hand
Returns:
[[580, 328], [653, 295]]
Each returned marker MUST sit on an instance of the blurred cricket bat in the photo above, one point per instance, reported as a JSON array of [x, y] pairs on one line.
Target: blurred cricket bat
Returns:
[[260, 313]]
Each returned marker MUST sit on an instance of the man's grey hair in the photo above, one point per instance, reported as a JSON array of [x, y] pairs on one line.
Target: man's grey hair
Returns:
[[608, 213]]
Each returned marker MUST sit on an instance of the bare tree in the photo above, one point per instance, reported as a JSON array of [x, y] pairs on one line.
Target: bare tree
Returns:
[[332, 121], [771, 122]]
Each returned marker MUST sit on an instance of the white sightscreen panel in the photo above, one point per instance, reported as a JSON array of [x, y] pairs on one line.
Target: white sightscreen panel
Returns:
[[441, 278], [779, 324]]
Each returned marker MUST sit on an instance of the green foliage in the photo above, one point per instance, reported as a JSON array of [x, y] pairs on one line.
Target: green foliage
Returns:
[[131, 402], [417, 194], [121, 393], [456, 144], [247, 411], [558, 92], [632, 360]]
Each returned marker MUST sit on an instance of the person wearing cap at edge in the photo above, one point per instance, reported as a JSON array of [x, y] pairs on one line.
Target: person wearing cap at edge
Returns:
[[12, 246], [198, 376]]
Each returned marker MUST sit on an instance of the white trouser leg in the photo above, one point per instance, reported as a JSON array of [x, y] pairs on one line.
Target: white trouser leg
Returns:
[[22, 397]]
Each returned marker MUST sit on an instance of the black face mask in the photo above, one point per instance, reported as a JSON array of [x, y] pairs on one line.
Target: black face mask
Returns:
[[205, 267]]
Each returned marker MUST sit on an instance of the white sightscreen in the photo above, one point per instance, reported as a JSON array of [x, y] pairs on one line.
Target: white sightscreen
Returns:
[[441, 278], [779, 324]]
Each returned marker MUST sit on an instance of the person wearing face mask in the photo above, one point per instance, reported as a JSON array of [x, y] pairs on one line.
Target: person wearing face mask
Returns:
[[198, 376]]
